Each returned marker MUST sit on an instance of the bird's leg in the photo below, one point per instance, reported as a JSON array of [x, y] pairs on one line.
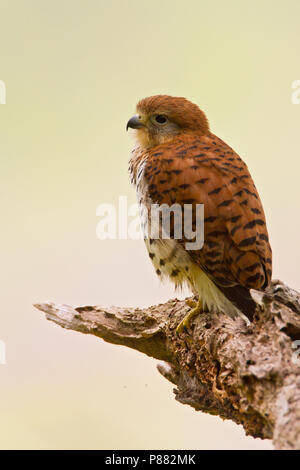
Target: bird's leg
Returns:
[[185, 323], [191, 303]]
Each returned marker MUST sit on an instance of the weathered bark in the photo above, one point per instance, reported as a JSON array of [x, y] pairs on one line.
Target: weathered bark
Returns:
[[249, 374]]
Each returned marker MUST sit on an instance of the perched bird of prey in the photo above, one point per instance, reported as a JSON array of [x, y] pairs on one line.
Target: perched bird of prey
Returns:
[[178, 160]]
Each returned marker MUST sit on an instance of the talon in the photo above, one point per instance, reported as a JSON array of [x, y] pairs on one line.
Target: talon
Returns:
[[191, 303], [185, 323], [179, 328]]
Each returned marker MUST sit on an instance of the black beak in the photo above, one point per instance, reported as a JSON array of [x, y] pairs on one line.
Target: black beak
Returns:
[[134, 122]]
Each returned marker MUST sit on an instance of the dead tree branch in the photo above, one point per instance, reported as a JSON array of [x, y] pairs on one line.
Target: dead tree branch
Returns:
[[249, 374]]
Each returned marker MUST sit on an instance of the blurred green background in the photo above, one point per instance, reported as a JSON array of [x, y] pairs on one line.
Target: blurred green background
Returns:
[[74, 71]]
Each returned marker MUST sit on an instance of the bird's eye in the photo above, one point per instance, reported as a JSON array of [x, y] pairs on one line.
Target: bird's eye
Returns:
[[160, 119]]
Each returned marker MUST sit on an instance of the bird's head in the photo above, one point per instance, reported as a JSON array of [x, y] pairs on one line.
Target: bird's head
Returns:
[[160, 118]]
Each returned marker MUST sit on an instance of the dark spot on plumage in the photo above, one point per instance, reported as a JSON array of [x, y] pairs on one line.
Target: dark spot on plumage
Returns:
[[210, 263], [216, 233], [247, 241], [163, 181], [206, 148], [151, 255], [139, 174], [252, 267], [156, 154], [215, 191], [187, 201], [255, 210], [240, 256], [186, 268], [268, 260], [194, 167], [250, 192], [239, 272], [151, 241], [192, 147], [152, 186], [210, 219], [158, 272], [226, 203], [185, 186], [167, 160], [244, 176], [232, 232], [244, 202], [177, 172], [210, 243], [234, 180], [175, 272], [162, 262], [238, 193], [199, 155], [263, 237], [180, 147], [235, 218], [254, 278], [253, 223], [202, 180]]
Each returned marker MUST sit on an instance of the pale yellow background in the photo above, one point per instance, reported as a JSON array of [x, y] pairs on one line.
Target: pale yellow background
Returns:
[[74, 70]]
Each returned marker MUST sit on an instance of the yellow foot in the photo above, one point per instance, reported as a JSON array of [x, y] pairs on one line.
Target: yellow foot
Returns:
[[185, 323], [191, 303]]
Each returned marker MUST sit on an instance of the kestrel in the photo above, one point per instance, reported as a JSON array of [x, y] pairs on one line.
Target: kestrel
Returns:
[[179, 161]]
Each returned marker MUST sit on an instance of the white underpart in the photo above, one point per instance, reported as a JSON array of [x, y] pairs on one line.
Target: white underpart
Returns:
[[173, 262]]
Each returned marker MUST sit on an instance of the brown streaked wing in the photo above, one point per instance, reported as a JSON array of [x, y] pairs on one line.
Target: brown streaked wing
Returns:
[[206, 170]]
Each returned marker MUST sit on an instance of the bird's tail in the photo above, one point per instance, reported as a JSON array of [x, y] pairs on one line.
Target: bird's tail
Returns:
[[241, 298]]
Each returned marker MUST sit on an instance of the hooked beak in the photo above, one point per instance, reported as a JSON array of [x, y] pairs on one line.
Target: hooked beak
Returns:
[[134, 122]]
